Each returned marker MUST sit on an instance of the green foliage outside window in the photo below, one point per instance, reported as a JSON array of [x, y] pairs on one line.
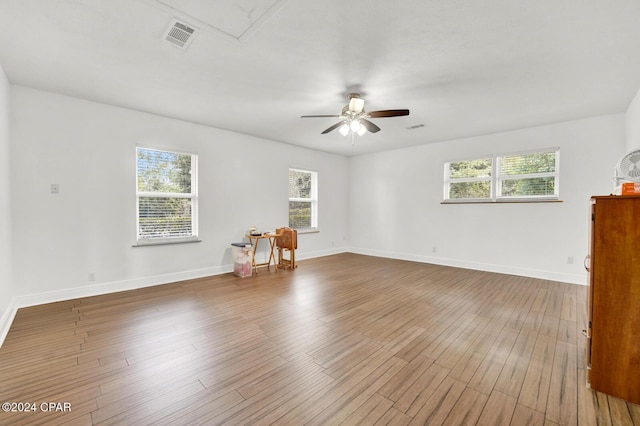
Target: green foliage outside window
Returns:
[[301, 199], [468, 190], [528, 186], [161, 214], [478, 170], [529, 164], [162, 171], [520, 175], [470, 169], [299, 215]]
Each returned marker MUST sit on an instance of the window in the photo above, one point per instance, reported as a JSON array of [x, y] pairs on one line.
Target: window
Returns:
[[303, 199], [529, 176], [167, 196], [469, 179]]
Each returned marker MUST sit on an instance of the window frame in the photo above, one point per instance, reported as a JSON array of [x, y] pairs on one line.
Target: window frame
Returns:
[[193, 196], [313, 199], [496, 179], [448, 181]]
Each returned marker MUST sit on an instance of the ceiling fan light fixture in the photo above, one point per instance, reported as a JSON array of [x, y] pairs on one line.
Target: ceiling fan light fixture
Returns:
[[355, 126], [344, 129], [362, 131], [356, 105]]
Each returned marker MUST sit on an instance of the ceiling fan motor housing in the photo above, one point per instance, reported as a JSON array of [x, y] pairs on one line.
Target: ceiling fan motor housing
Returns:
[[356, 104]]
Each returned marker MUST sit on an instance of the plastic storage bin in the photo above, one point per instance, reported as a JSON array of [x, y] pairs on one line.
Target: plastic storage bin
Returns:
[[242, 259]]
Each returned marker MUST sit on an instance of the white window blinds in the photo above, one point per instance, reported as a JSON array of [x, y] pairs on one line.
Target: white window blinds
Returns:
[[530, 175], [303, 199], [166, 195], [509, 177]]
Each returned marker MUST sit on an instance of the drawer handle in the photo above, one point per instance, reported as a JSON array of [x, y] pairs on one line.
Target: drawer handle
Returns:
[[587, 263]]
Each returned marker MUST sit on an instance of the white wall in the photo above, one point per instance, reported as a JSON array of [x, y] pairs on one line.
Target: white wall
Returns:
[[633, 123], [396, 208], [88, 149], [6, 287]]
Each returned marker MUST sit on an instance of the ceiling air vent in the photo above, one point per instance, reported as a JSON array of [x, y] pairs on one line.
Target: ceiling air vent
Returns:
[[417, 126], [179, 34]]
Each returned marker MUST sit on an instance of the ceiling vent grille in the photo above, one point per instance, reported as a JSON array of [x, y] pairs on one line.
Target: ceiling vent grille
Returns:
[[179, 34], [417, 126]]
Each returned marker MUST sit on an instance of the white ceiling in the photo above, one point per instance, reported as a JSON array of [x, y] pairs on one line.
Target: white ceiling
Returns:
[[463, 68]]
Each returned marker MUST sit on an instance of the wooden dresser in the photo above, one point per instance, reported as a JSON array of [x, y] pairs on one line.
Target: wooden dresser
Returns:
[[613, 333]]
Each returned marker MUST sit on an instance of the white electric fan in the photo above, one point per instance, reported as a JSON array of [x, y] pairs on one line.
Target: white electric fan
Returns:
[[627, 170]]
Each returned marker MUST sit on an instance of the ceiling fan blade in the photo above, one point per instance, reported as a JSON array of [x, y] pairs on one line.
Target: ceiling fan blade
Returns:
[[388, 113], [335, 126], [372, 128], [319, 116]]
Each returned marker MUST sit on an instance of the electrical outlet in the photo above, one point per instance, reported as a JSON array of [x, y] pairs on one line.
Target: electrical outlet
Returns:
[[92, 276], [434, 249], [570, 260]]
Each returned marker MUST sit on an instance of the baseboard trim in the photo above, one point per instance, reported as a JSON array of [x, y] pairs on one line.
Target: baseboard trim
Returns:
[[321, 253], [115, 286], [25, 301], [7, 319], [500, 269]]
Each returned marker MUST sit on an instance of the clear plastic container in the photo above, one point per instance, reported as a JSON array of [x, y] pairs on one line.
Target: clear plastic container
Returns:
[[242, 254]]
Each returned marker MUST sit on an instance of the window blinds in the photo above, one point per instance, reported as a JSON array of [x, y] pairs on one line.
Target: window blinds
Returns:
[[166, 194]]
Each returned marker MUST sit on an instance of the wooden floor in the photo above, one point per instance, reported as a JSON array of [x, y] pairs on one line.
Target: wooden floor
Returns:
[[344, 339]]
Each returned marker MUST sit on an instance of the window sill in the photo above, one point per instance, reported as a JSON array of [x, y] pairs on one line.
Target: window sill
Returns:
[[512, 201], [165, 242]]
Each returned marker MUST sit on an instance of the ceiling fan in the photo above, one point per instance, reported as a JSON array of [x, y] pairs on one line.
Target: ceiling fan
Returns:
[[354, 119]]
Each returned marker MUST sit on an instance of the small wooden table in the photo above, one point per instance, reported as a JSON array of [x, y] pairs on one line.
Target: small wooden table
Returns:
[[272, 243]]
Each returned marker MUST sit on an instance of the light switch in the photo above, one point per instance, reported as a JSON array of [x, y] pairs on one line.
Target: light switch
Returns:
[[55, 188]]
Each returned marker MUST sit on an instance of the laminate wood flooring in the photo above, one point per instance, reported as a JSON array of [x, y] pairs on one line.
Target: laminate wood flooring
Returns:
[[344, 339]]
